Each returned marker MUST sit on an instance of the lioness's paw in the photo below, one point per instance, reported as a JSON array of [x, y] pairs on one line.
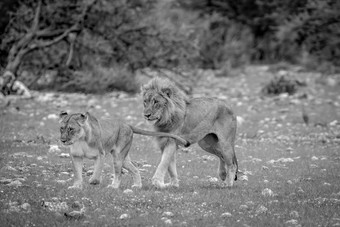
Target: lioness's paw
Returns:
[[94, 181]]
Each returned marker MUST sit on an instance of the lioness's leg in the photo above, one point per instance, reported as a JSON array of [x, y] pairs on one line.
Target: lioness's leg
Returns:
[[167, 156], [137, 180], [98, 167], [174, 182], [78, 169]]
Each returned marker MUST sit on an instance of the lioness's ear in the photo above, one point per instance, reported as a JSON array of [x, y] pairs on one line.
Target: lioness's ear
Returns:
[[62, 116], [83, 118], [167, 92]]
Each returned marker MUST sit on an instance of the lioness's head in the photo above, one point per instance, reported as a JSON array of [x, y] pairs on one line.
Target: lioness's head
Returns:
[[71, 127], [162, 101]]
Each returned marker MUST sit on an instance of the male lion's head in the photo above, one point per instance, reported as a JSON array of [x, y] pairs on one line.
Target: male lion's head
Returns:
[[71, 127], [163, 101]]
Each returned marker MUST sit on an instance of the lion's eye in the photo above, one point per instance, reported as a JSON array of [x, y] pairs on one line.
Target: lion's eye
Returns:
[[70, 129], [155, 101]]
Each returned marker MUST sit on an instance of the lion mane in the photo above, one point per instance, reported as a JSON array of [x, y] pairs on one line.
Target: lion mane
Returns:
[[174, 111]]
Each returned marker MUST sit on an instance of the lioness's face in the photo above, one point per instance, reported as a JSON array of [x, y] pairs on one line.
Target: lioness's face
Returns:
[[154, 105], [71, 129]]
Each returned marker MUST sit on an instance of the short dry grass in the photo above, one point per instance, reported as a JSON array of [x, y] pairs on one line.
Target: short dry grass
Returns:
[[290, 172]]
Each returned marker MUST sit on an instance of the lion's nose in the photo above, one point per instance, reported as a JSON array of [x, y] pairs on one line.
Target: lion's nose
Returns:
[[147, 115], [63, 140]]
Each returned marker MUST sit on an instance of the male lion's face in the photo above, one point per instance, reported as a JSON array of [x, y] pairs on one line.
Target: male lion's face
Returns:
[[154, 104], [71, 129]]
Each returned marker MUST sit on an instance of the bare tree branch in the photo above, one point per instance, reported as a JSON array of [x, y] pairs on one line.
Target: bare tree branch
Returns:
[[35, 23]]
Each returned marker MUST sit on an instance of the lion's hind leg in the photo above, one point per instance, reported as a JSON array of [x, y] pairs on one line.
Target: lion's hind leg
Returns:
[[137, 180], [225, 152]]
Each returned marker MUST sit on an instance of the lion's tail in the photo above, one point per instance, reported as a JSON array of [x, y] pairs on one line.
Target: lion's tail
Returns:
[[235, 163], [162, 134]]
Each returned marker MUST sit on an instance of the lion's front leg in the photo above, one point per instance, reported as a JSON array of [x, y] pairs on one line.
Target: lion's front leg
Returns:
[[78, 169], [174, 182], [98, 167], [167, 156]]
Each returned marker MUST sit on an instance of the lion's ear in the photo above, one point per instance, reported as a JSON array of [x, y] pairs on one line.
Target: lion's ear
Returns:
[[143, 89], [62, 116], [167, 92], [83, 118]]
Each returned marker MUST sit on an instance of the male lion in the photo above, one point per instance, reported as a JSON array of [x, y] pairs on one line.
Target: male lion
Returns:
[[207, 121], [89, 138]]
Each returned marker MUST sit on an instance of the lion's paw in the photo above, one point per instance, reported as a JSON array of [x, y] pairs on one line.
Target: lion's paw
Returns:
[[158, 184]]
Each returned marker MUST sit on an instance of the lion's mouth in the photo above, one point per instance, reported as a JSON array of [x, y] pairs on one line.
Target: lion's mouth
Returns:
[[67, 143], [153, 119]]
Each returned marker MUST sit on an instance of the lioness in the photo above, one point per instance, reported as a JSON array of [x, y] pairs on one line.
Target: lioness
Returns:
[[89, 138], [207, 121]]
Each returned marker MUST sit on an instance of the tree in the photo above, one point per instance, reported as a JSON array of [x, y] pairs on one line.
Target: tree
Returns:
[[41, 24]]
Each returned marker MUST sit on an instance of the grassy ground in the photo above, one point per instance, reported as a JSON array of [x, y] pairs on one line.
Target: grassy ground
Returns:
[[290, 171]]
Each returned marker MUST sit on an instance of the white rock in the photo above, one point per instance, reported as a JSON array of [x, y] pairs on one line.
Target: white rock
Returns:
[[267, 192], [124, 216], [64, 155], [314, 158], [244, 178], [15, 183], [261, 209], [127, 191], [168, 222], [226, 215], [54, 148], [53, 116], [168, 213], [213, 180], [294, 214], [292, 222]]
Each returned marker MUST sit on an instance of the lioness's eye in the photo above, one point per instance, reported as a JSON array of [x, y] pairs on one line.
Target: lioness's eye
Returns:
[[155, 101], [70, 129]]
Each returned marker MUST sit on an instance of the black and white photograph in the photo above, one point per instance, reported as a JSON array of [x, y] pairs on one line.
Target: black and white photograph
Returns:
[[188, 113]]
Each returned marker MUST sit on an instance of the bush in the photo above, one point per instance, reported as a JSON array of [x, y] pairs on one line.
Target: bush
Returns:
[[100, 80]]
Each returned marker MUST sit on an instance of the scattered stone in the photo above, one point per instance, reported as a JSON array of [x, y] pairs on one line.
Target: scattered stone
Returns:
[[244, 207], [26, 207], [261, 209], [52, 116], [64, 155], [124, 216], [213, 180], [244, 178], [168, 222], [54, 148], [314, 158], [267, 192], [226, 215], [294, 214], [127, 191], [292, 222], [168, 214], [15, 183]]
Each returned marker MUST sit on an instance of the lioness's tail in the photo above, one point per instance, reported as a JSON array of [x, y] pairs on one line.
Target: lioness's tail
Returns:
[[163, 134]]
